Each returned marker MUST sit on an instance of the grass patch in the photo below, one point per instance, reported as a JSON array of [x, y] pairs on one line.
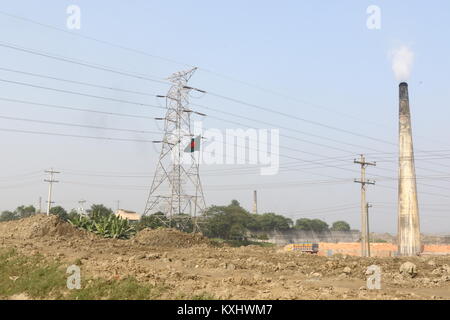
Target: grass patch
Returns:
[[30, 275], [125, 289], [40, 279], [217, 242], [203, 296], [244, 243]]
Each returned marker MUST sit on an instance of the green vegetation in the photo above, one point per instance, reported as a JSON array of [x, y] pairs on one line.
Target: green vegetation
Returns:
[[125, 289], [30, 275], [378, 241], [99, 210], [232, 223], [8, 216], [235, 224], [62, 213], [315, 225], [157, 220], [104, 223], [239, 243], [340, 226], [39, 279], [203, 296], [20, 213]]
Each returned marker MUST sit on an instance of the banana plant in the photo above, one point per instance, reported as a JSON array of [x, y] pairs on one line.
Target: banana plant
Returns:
[[110, 226]]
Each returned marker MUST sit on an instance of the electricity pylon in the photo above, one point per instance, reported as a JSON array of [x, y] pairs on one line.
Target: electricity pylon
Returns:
[[176, 189]]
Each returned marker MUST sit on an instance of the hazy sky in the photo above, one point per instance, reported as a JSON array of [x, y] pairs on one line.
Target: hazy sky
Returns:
[[316, 60]]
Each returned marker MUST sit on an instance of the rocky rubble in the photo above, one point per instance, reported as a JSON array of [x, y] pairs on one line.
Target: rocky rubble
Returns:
[[188, 264]]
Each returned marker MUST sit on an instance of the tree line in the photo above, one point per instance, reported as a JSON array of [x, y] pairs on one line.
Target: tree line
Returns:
[[225, 222], [27, 211]]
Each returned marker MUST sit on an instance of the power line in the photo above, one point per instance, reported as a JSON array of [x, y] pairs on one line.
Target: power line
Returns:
[[111, 99], [61, 107], [281, 127], [214, 94], [72, 92], [216, 110], [77, 82], [298, 139], [80, 62], [12, 46], [152, 95], [141, 52], [68, 108], [66, 124], [73, 136], [80, 94], [212, 187], [79, 35], [76, 125], [290, 116], [147, 141]]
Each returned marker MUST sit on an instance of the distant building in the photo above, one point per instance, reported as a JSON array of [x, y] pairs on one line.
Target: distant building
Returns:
[[129, 215]]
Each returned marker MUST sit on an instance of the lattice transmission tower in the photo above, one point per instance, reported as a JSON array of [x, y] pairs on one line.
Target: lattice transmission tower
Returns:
[[176, 189]]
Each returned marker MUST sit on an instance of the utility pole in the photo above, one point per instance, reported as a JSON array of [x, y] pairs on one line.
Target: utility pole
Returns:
[[40, 205], [368, 229], [50, 181], [118, 205], [81, 209], [365, 247]]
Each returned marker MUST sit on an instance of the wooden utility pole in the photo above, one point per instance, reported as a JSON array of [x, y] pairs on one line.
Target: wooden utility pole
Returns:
[[365, 246]]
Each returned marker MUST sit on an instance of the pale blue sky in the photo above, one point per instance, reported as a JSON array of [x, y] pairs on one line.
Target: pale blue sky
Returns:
[[318, 52]]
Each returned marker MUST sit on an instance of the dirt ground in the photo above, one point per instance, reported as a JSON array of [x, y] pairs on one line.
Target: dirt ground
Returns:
[[191, 264]]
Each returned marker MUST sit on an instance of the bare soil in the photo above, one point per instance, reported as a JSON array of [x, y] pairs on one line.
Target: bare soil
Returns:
[[190, 265]]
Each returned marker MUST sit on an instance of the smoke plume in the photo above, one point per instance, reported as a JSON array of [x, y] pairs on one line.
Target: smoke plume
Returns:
[[402, 61]]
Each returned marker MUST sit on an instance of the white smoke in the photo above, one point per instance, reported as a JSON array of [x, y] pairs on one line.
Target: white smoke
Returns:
[[402, 61]]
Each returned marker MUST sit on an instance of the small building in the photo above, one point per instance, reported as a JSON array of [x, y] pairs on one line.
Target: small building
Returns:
[[129, 215]]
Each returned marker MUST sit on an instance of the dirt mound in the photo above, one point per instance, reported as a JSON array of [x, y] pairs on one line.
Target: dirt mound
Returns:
[[39, 226], [170, 238]]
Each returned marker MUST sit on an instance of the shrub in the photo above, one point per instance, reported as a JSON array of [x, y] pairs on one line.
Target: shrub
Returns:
[[110, 226]]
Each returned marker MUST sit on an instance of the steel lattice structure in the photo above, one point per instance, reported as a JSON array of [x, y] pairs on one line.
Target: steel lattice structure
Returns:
[[176, 189]]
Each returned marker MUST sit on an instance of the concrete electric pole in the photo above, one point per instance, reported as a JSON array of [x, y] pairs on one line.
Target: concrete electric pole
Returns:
[[81, 210], [365, 246], [50, 188], [40, 205], [368, 229]]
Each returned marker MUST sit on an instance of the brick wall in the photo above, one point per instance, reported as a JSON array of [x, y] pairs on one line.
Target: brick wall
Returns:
[[376, 249]]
